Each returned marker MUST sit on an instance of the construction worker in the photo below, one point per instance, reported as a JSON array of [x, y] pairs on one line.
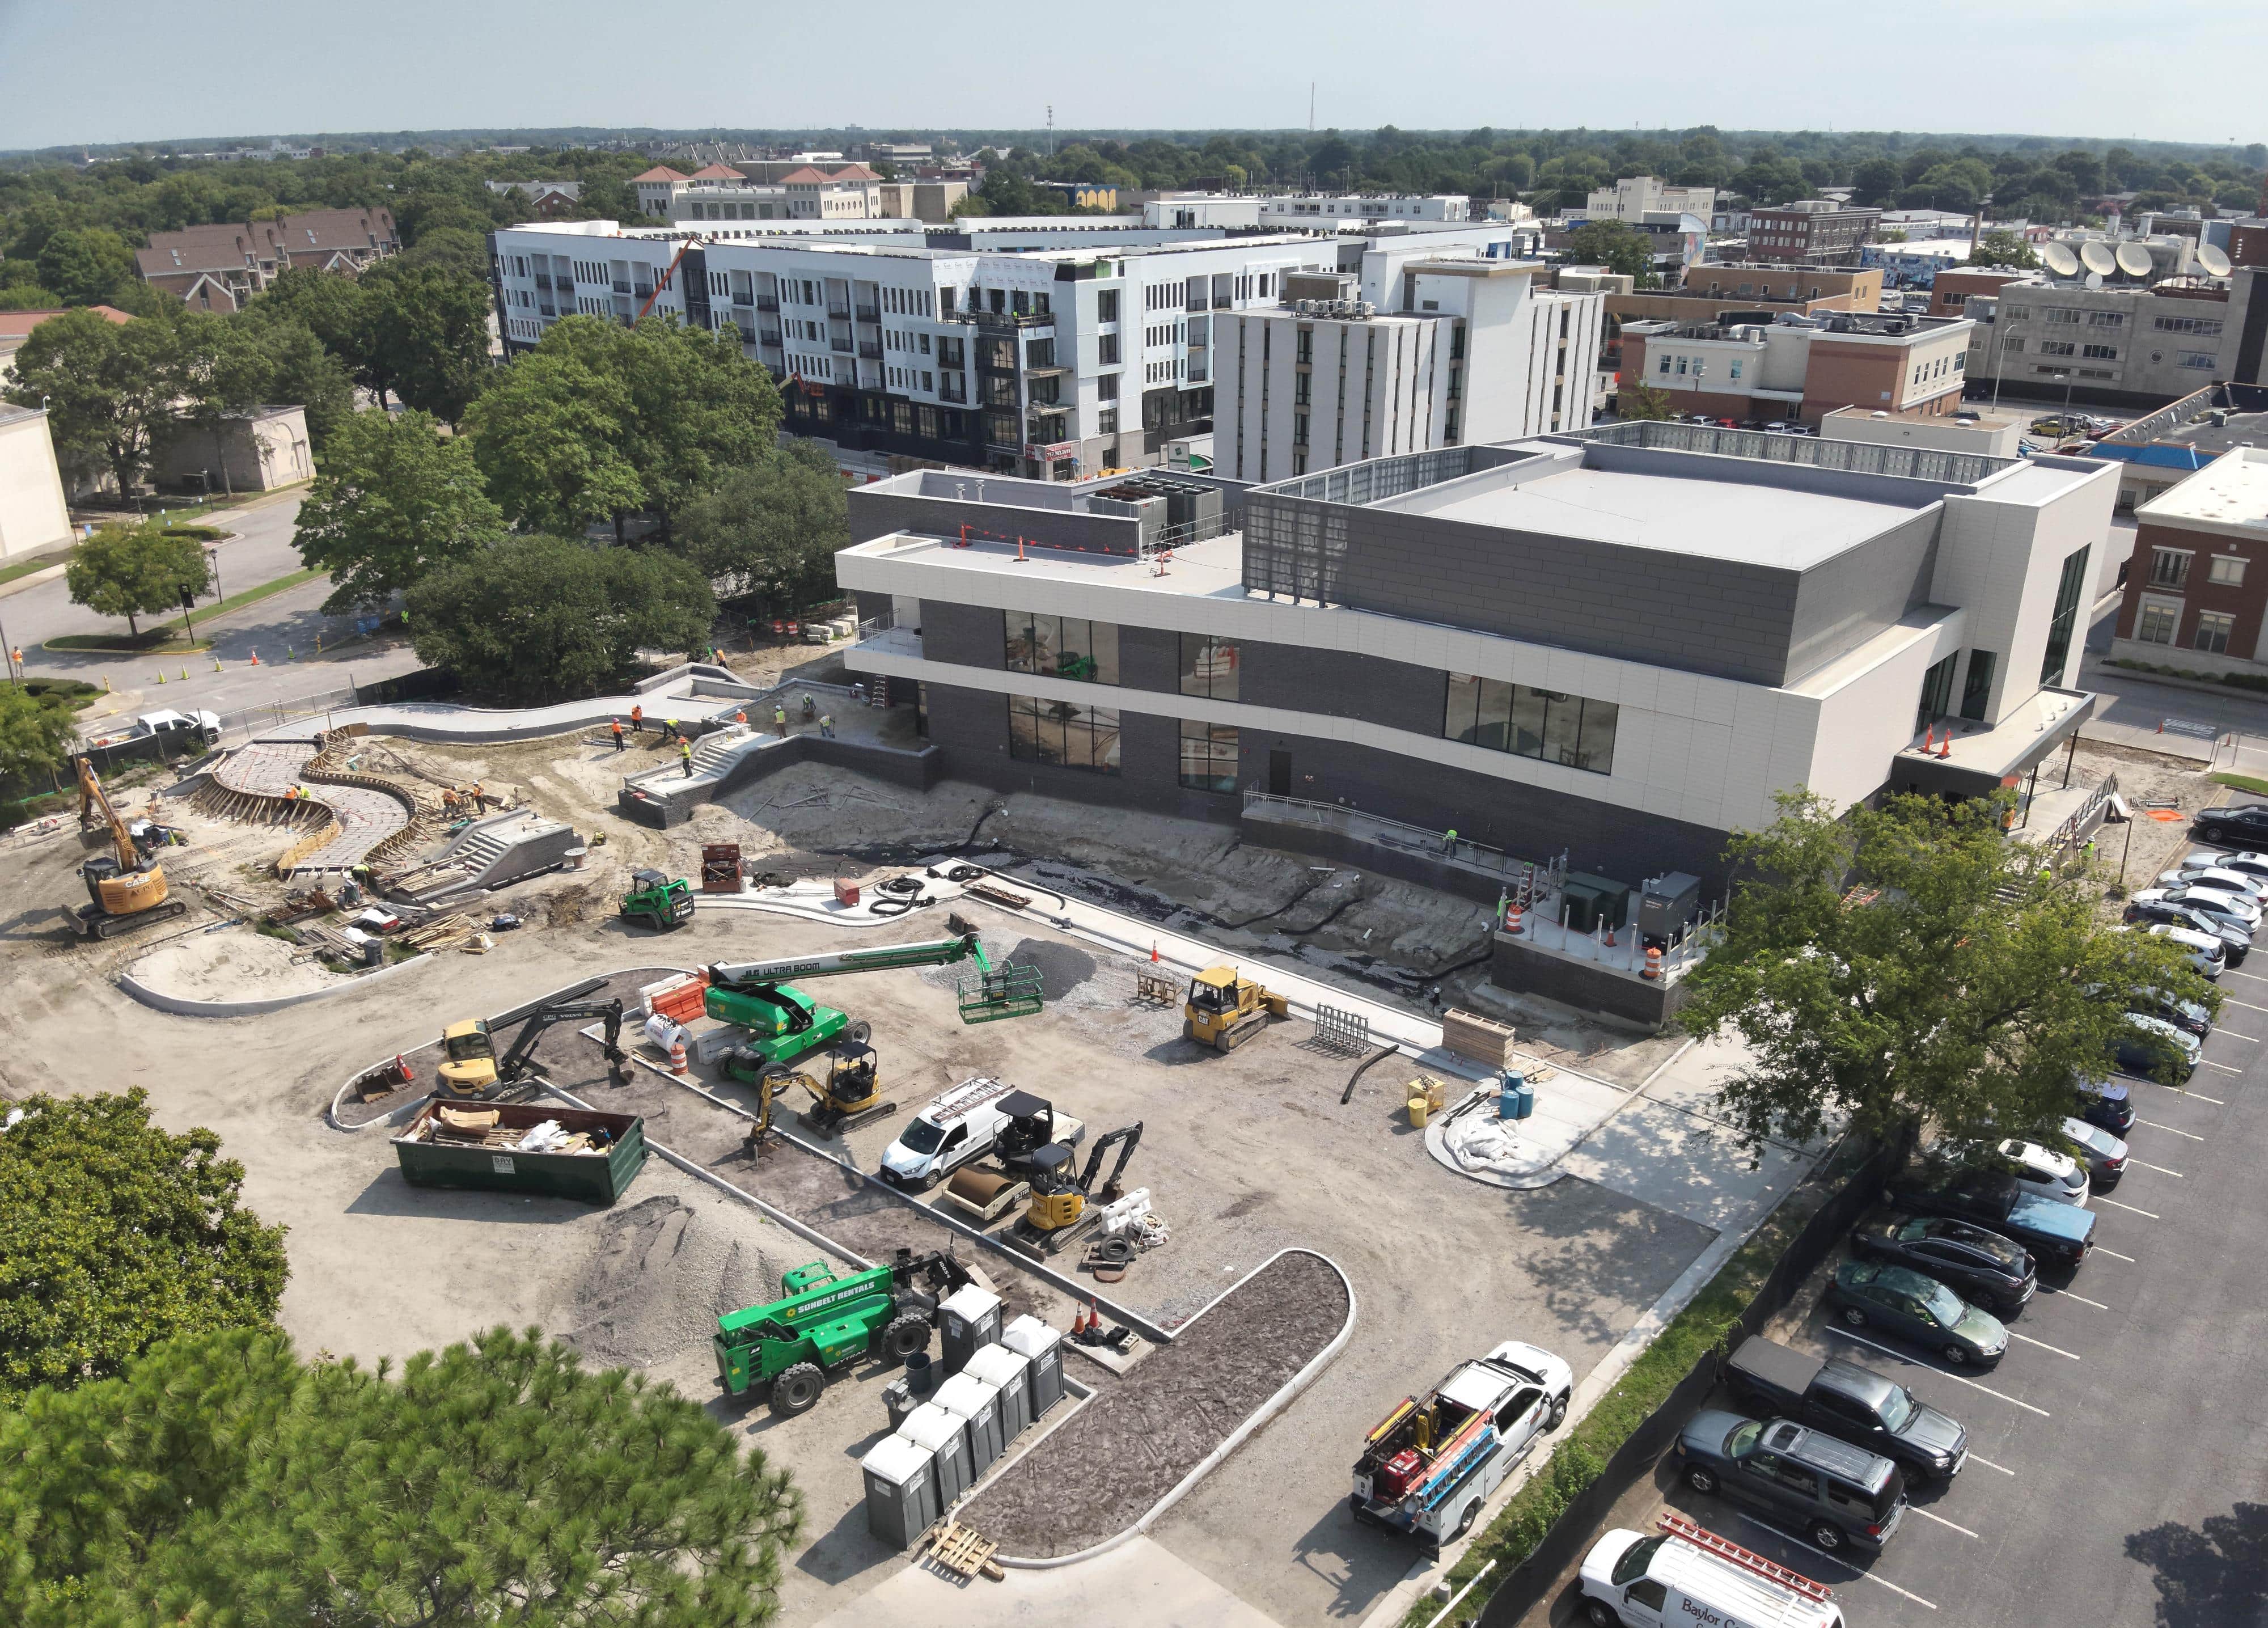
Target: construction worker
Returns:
[[827, 725], [616, 726], [668, 731], [1449, 840], [810, 707], [637, 719], [685, 756], [779, 717]]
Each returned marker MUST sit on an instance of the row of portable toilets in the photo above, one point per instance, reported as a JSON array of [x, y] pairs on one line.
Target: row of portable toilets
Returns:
[[955, 1417]]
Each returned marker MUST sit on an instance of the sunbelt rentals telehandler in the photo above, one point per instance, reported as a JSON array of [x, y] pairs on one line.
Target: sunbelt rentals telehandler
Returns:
[[821, 1324]]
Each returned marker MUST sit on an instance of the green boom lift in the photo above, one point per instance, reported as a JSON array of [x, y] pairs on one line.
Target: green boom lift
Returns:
[[822, 1323], [784, 1023]]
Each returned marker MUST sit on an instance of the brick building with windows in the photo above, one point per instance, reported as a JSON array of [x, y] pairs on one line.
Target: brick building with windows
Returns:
[[1791, 367], [2197, 585], [1817, 232], [219, 268]]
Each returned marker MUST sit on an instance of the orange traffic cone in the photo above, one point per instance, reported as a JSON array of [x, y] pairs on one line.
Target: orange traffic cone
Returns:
[[1153, 952], [255, 658], [1945, 747], [1929, 741], [677, 1063]]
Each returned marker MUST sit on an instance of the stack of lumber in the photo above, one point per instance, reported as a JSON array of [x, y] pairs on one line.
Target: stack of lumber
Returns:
[[1477, 1039], [446, 933]]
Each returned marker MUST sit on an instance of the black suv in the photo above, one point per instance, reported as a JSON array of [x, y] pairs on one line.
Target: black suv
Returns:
[[2245, 827], [1991, 1272], [2234, 941]]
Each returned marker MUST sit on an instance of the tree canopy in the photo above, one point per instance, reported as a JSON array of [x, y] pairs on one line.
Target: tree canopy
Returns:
[[537, 618], [394, 500], [1911, 964], [771, 528], [36, 730], [1620, 248], [108, 388], [136, 570], [221, 1479], [116, 1235]]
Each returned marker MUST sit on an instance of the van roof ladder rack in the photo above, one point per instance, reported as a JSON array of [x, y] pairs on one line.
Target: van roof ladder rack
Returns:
[[1678, 1526]]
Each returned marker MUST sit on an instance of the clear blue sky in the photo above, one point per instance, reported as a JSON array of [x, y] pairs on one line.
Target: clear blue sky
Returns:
[[72, 71]]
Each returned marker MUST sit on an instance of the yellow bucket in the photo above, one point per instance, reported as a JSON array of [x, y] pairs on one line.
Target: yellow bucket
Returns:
[[1418, 1108]]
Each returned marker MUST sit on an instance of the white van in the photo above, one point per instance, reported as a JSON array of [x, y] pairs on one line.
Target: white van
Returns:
[[1685, 1575], [962, 1124]]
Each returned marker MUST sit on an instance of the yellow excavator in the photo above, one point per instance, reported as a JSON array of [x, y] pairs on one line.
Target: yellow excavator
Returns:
[[123, 888]]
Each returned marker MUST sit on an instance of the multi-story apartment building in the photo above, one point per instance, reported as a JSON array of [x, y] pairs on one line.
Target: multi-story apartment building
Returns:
[[1618, 644], [1815, 231], [1636, 196], [1715, 290], [2137, 346], [1468, 348], [1078, 350], [219, 268], [1325, 210], [2197, 585], [1796, 367]]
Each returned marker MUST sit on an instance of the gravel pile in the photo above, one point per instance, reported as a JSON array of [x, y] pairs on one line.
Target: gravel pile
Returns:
[[662, 1273]]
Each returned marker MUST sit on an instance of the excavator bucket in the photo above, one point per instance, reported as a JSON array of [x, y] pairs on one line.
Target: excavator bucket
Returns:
[[1008, 992]]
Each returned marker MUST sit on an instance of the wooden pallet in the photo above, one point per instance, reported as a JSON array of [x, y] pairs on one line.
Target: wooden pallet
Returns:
[[1159, 988], [959, 1550], [1000, 897]]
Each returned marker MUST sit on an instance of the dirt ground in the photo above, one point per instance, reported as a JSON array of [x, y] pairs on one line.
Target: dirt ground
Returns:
[[234, 963], [1140, 1437]]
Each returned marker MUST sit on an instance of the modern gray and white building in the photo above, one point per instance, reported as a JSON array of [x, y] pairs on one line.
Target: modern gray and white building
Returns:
[[1617, 645]]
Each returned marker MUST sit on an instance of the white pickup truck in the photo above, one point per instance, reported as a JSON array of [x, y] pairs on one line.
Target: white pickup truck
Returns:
[[1433, 1462], [176, 728]]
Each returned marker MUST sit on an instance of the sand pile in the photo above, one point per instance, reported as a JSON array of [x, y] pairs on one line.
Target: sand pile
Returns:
[[661, 1274], [234, 964]]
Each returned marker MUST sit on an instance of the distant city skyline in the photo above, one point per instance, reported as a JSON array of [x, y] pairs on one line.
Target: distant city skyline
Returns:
[[74, 72]]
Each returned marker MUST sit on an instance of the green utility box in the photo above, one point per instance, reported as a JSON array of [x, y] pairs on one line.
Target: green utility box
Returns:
[[433, 1152], [1592, 900]]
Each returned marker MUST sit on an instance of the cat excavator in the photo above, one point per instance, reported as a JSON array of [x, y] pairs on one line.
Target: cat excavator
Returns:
[[471, 1071], [1062, 1205], [123, 888]]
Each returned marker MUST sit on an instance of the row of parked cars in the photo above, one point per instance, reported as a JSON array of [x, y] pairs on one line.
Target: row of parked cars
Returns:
[[2209, 904]]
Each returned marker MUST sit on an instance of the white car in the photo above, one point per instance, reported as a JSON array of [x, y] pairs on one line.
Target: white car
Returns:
[[2231, 908], [2252, 888], [2045, 1171], [2207, 956], [2253, 864]]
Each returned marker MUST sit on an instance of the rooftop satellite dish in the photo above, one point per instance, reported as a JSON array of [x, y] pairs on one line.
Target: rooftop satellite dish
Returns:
[[2214, 260], [2095, 255], [2059, 260], [2095, 279], [2133, 260]]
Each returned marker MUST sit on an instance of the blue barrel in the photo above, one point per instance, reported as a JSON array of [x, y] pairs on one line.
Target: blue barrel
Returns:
[[1527, 1104], [1509, 1087]]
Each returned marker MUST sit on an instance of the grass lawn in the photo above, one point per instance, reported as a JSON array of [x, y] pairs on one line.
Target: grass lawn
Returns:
[[159, 636], [2242, 782]]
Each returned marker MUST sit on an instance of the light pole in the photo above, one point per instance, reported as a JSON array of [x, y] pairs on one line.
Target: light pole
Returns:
[[2069, 377], [212, 558]]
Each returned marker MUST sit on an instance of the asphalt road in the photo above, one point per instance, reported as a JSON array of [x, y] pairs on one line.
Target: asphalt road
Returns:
[[2132, 708], [281, 630], [2119, 1452]]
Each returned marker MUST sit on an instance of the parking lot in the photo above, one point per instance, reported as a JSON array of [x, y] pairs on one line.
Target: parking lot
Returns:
[[2119, 1450]]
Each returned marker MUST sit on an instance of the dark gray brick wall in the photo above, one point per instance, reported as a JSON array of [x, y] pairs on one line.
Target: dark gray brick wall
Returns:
[[1149, 659], [1396, 694], [968, 635], [1854, 596]]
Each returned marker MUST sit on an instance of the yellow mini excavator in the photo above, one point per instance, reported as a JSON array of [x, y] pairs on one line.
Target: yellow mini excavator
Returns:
[[123, 888]]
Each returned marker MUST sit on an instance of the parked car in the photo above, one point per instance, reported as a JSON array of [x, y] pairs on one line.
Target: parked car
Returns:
[[1902, 1301], [2102, 1153], [2239, 826], [1631, 1580], [2188, 1015], [2226, 908], [2045, 1171], [2207, 955], [1851, 1403], [1989, 1272], [1840, 1497], [2240, 863], [2056, 1234], [2252, 889], [2234, 941], [2155, 1049], [2104, 1103]]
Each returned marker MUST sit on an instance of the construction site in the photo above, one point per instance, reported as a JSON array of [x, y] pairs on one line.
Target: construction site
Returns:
[[1173, 1162]]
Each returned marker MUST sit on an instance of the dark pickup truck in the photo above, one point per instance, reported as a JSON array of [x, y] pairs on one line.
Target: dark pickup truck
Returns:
[[2057, 1234], [1851, 1403]]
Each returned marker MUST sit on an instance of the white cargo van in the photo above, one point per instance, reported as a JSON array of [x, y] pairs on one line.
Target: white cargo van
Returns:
[[961, 1126], [1685, 1575]]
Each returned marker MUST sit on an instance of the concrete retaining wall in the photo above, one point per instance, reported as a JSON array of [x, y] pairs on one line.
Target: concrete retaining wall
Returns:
[[181, 1006], [660, 809], [1527, 971]]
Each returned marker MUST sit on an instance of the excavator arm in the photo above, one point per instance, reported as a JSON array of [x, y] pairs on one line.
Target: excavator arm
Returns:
[[1127, 1137], [95, 809], [514, 1063]]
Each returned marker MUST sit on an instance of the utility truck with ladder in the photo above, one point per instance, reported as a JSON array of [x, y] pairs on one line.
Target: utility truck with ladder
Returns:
[[821, 1324], [784, 1023], [1430, 1464]]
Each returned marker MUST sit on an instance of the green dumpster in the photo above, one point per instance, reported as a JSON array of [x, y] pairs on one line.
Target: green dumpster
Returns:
[[458, 1145]]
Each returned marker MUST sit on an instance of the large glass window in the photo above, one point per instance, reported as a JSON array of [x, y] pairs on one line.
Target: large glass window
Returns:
[[1208, 757], [1936, 692], [1063, 647], [1976, 688], [1527, 722], [1057, 732], [2157, 622], [1209, 666], [2069, 587], [2213, 628]]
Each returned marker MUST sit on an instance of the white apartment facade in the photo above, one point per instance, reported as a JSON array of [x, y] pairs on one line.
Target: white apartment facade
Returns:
[[1048, 362], [1324, 210], [1634, 197], [1469, 350]]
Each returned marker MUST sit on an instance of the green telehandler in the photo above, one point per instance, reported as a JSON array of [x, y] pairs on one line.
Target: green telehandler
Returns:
[[822, 1323]]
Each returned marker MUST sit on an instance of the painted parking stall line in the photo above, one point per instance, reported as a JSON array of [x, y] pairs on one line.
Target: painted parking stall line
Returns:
[[2115, 1255], [2066, 1294], [1957, 1379], [1978, 1458], [1838, 1561], [2146, 1214], [2224, 1067], [2230, 1034], [2161, 1169], [2231, 1000], [2154, 1125], [1926, 1514], [2044, 1346]]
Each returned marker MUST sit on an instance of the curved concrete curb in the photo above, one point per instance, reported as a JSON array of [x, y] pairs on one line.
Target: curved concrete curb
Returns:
[[181, 1006], [1268, 1410]]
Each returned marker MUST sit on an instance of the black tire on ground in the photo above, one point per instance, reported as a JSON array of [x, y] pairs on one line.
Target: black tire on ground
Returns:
[[1985, 1300], [1853, 1315], [907, 1333], [1826, 1535], [1700, 1477], [795, 1390], [1956, 1355], [857, 1033], [1599, 1613], [1559, 1412]]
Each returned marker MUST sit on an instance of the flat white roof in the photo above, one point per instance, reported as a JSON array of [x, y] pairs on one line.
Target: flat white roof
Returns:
[[2229, 494], [1714, 519]]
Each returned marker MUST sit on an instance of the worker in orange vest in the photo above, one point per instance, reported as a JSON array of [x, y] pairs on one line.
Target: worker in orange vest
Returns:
[[616, 725], [637, 719]]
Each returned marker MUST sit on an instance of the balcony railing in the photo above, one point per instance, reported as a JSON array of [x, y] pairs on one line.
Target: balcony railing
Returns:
[[952, 390], [869, 352], [840, 313], [744, 299], [1007, 320], [842, 345], [766, 303], [870, 314], [769, 336], [621, 288]]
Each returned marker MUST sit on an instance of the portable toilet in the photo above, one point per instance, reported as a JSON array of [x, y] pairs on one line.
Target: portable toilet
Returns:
[[900, 1490], [997, 1365], [977, 1401], [1042, 1346], [945, 1438], [970, 1320]]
